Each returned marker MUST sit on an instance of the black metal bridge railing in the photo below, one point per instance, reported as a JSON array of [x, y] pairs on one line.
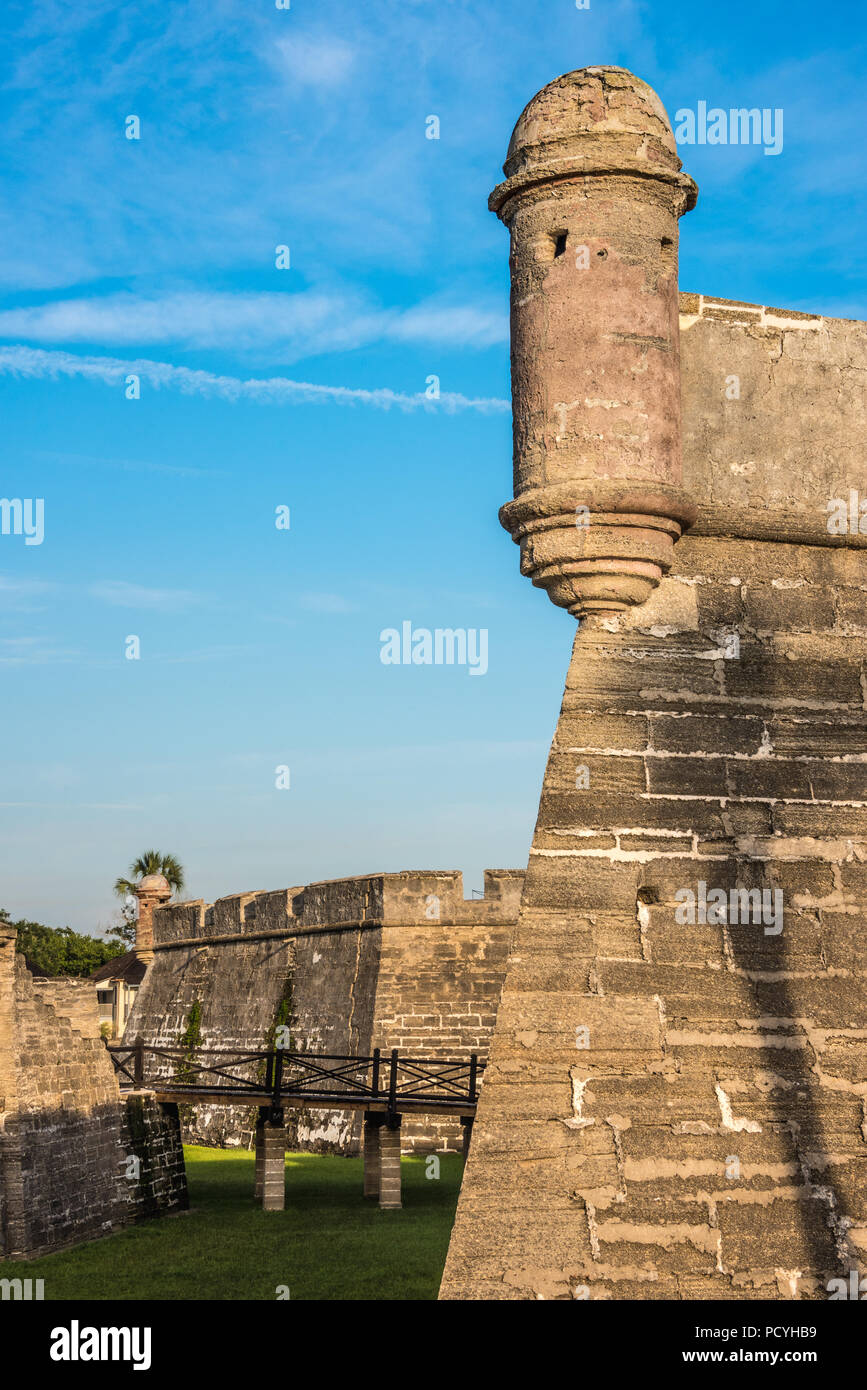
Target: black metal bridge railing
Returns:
[[278, 1076]]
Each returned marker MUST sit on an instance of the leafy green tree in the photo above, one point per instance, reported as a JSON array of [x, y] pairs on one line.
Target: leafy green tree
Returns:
[[153, 861], [123, 930], [60, 950]]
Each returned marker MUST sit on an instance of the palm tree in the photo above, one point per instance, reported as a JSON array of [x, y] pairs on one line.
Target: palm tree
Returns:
[[152, 862]]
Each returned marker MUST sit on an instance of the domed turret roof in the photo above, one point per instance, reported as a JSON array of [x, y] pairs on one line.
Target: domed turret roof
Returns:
[[154, 883], [592, 102], [596, 120]]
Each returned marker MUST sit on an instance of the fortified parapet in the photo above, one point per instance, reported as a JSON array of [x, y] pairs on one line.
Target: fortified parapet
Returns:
[[399, 960]]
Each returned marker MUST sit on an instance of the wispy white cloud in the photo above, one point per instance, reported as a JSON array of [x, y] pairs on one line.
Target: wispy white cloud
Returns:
[[125, 465], [322, 61], [23, 588], [34, 651], [326, 603], [19, 595], [292, 325], [72, 805], [454, 325], [21, 361], [218, 652], [124, 595], [257, 121]]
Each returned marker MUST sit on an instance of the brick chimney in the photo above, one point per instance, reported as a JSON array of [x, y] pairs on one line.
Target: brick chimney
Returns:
[[152, 891]]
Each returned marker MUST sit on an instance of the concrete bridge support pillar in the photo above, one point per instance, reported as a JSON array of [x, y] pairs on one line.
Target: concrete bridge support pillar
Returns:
[[389, 1164], [270, 1188], [371, 1151], [260, 1157]]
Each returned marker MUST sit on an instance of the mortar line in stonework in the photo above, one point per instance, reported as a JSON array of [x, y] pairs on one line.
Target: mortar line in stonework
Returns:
[[733, 703], [856, 711], [729, 757]]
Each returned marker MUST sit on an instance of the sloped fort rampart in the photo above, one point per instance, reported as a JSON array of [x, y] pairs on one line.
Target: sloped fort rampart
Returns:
[[389, 960]]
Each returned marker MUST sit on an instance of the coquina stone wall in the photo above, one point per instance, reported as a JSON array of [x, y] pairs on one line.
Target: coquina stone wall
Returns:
[[674, 1106], [390, 960], [440, 980], [710, 1140], [76, 1160]]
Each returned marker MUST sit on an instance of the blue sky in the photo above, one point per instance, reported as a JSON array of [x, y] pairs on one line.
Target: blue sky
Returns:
[[259, 647]]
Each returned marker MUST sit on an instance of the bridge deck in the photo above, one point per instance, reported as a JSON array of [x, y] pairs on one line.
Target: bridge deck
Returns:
[[223, 1095]]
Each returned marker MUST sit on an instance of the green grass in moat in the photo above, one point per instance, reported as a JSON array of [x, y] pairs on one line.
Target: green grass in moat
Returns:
[[329, 1243]]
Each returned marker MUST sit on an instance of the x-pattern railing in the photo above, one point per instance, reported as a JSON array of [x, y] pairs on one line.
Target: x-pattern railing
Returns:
[[280, 1075], [413, 1073], [129, 1062], [307, 1072]]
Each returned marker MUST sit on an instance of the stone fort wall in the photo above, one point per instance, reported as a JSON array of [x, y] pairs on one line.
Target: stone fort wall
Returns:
[[76, 1160], [388, 960], [677, 1110]]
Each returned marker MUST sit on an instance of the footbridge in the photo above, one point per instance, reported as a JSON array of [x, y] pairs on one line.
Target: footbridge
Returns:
[[385, 1086]]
